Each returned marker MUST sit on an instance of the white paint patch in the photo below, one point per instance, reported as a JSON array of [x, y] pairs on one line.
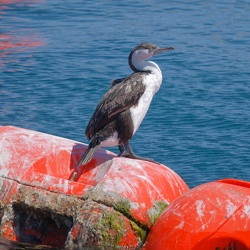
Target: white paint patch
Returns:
[[119, 184], [200, 207], [231, 208], [5, 159], [218, 202], [47, 179], [103, 170], [135, 205], [181, 225], [66, 186], [5, 154], [246, 210]]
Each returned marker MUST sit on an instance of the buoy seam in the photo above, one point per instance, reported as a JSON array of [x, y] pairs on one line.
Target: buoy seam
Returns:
[[42, 188]]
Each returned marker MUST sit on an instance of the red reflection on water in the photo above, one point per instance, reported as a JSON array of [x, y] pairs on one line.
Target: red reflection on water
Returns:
[[20, 1], [11, 43], [16, 44]]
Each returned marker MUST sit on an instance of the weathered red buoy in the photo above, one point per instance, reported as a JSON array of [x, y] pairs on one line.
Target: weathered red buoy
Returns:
[[211, 216], [114, 202]]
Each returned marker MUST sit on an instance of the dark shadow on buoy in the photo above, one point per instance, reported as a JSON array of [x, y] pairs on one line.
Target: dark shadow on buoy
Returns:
[[100, 157], [36, 226]]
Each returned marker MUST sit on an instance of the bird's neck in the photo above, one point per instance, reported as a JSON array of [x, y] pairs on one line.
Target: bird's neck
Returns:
[[154, 77], [142, 65]]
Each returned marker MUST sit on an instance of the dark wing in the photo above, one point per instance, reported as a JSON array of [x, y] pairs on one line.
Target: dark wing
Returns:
[[116, 81], [120, 97]]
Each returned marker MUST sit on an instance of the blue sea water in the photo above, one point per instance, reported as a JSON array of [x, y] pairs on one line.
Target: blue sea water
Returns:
[[57, 59]]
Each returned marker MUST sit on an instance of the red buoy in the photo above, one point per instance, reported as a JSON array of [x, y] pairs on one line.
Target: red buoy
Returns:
[[114, 202], [211, 216]]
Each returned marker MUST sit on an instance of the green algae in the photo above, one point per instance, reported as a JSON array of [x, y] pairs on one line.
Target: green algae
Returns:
[[139, 231], [155, 211], [111, 228], [123, 206]]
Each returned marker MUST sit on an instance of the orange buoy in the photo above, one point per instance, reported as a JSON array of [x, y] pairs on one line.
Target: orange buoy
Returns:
[[114, 202], [211, 216]]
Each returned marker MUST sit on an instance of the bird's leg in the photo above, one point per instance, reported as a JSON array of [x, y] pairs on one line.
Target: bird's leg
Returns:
[[122, 151], [133, 156]]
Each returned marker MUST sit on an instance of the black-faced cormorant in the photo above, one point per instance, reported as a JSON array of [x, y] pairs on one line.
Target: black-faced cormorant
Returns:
[[122, 109]]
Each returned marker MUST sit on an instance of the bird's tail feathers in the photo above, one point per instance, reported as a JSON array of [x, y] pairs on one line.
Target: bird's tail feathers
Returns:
[[87, 156]]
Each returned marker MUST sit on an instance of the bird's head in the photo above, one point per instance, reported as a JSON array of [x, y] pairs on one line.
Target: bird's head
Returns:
[[142, 52]]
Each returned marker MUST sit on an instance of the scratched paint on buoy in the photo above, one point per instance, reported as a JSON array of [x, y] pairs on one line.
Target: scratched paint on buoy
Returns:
[[116, 200], [200, 208], [211, 216]]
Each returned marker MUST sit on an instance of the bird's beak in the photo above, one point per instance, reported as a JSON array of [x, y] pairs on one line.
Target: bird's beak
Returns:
[[159, 50]]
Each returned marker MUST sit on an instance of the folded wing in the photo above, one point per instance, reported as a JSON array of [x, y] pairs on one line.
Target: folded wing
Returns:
[[119, 98]]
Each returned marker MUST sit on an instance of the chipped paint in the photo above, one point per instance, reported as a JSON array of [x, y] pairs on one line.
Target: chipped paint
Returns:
[[5, 158], [181, 225], [207, 217], [115, 201], [102, 170], [246, 210], [231, 208], [200, 207]]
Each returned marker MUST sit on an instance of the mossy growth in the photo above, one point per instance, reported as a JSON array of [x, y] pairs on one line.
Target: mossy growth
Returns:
[[155, 211], [110, 228], [139, 231], [123, 206]]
